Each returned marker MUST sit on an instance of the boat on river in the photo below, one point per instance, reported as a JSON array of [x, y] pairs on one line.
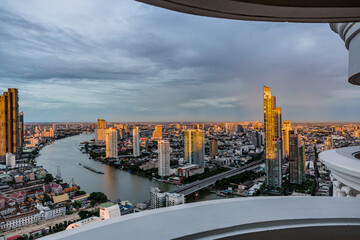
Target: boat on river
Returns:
[[93, 170]]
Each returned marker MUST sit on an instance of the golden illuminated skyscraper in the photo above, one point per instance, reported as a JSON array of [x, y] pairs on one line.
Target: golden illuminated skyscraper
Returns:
[[157, 134], [9, 124], [101, 124], [286, 127], [100, 132], [273, 143]]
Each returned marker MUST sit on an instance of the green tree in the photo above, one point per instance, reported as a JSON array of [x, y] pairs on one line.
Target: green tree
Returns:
[[77, 204], [98, 197], [48, 178]]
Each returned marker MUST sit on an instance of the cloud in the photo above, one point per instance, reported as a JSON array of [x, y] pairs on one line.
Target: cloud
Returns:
[[127, 61]]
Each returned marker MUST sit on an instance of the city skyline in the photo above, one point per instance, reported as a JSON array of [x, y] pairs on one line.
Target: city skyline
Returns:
[[191, 68]]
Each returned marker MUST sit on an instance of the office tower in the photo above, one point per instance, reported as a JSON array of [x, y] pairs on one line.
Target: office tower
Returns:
[[285, 137], [111, 143], [296, 158], [164, 158], [9, 124], [21, 131], [178, 126], [136, 142], [194, 150], [100, 132], [157, 134], [273, 143], [222, 125], [213, 148]]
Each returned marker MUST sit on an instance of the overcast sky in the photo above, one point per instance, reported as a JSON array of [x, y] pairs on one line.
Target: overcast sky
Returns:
[[127, 61]]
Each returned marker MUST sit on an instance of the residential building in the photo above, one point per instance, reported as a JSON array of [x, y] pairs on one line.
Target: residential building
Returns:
[[165, 199], [100, 132], [213, 148], [136, 142], [296, 158], [9, 124], [273, 143], [286, 127], [10, 160], [164, 158], [194, 149], [109, 210], [111, 143], [157, 134]]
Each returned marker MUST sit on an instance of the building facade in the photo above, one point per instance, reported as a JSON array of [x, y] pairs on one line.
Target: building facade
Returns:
[[136, 142], [100, 131], [286, 127], [296, 158], [194, 149], [111, 143], [164, 158], [157, 134], [273, 143], [213, 148], [9, 124]]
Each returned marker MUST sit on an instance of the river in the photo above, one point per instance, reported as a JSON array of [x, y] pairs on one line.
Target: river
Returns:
[[115, 183]]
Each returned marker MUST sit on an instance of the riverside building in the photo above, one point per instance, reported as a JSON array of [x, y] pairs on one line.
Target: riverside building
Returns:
[[164, 158], [111, 143]]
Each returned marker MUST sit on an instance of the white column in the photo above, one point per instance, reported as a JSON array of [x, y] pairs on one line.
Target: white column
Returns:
[[349, 32]]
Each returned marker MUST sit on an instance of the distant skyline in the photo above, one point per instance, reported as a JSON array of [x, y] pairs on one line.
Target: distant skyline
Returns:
[[127, 61]]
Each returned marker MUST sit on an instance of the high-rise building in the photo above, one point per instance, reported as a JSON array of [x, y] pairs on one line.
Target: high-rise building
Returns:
[[194, 150], [296, 158], [273, 143], [213, 148], [164, 158], [100, 132], [157, 134], [111, 143], [21, 131], [136, 142], [9, 124], [286, 127], [101, 123], [120, 129]]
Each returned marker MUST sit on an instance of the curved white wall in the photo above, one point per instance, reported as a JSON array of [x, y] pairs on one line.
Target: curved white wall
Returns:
[[350, 33]]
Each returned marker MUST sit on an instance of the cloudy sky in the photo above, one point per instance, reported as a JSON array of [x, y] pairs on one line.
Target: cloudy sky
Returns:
[[127, 61]]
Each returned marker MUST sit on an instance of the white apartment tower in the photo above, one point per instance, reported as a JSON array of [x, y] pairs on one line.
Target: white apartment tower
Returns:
[[136, 142], [164, 158], [111, 143]]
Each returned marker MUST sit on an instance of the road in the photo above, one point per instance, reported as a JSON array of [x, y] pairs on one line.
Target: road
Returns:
[[198, 185]]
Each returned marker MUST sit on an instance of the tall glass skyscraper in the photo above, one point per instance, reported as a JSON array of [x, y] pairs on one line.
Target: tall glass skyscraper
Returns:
[[194, 148], [273, 142]]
